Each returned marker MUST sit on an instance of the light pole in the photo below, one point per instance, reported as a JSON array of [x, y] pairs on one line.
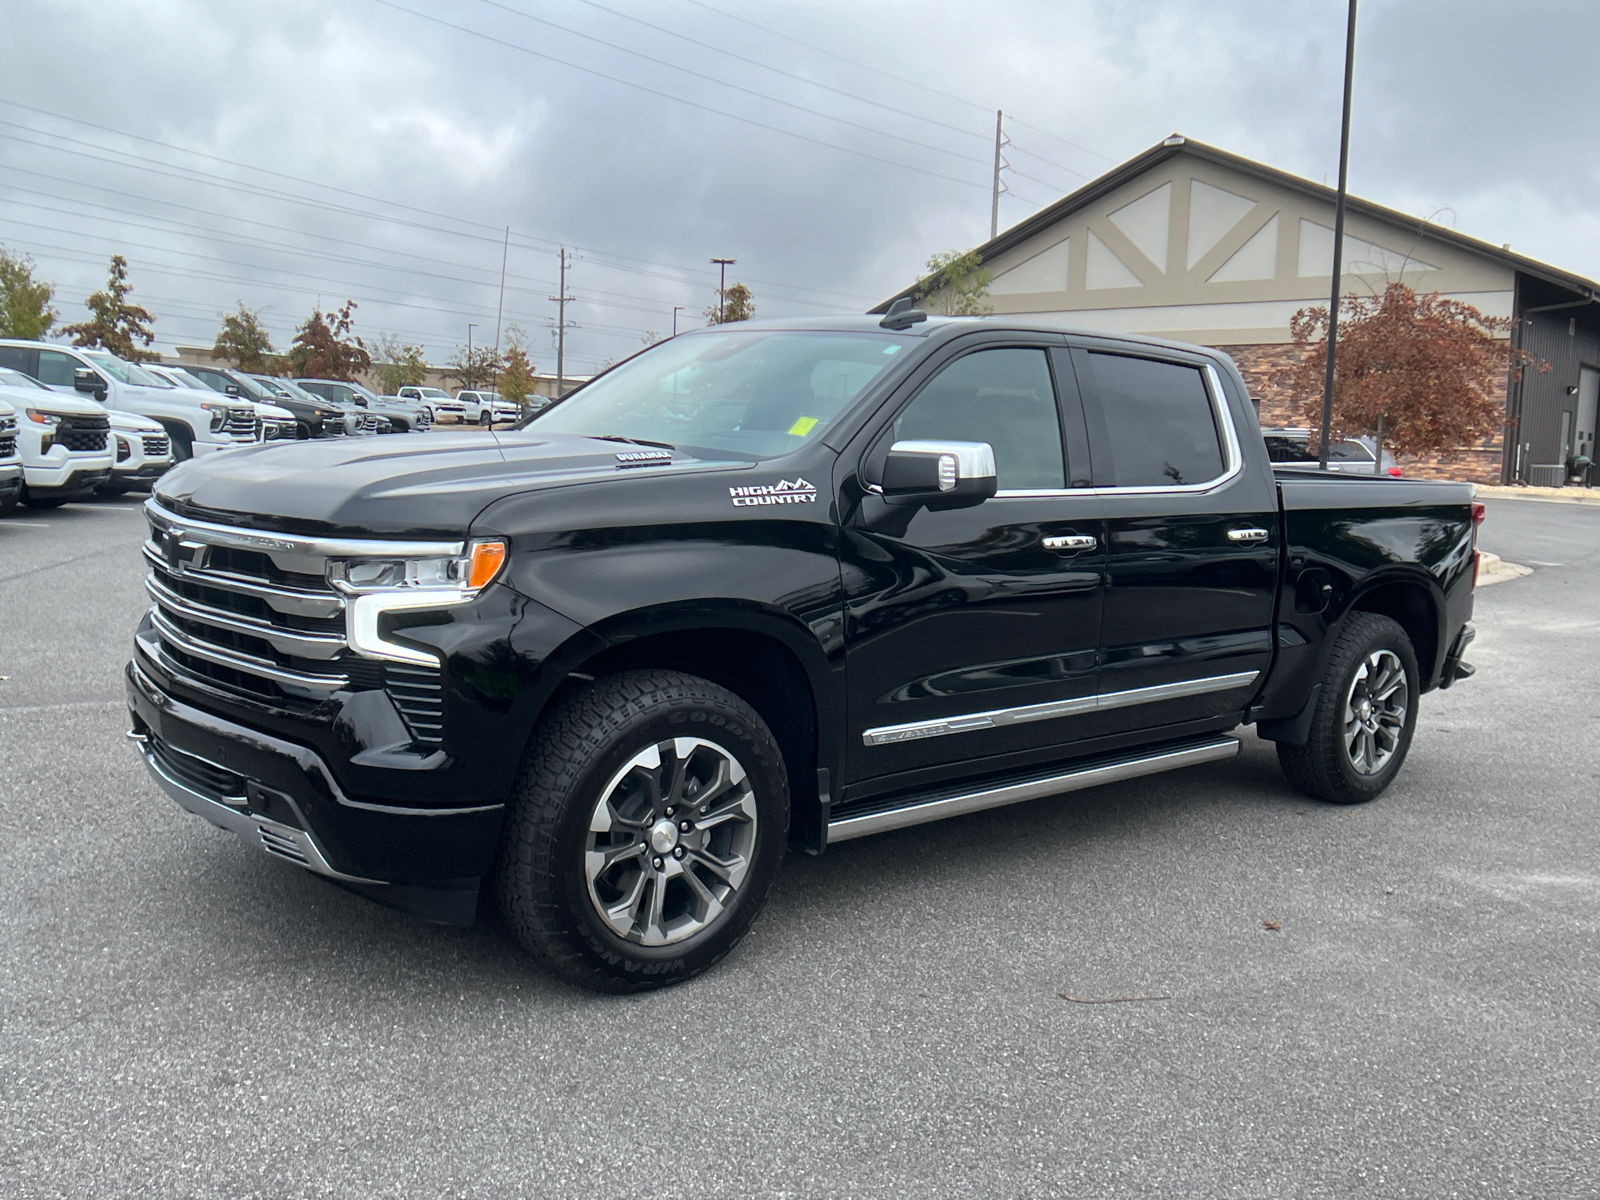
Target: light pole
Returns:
[[722, 287], [676, 309], [472, 372], [1338, 238]]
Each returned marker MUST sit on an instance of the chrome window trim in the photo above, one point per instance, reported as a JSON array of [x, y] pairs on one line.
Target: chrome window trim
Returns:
[[266, 542], [995, 718], [1232, 454]]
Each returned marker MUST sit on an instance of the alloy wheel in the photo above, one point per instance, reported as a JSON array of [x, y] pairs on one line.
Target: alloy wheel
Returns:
[[1375, 711], [670, 841]]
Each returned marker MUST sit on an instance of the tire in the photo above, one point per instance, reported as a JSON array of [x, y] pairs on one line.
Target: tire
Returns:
[[583, 765], [35, 501], [1354, 752], [485, 418]]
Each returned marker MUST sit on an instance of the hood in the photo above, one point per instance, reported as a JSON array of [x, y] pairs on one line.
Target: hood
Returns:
[[393, 487], [271, 411], [129, 423], [51, 401]]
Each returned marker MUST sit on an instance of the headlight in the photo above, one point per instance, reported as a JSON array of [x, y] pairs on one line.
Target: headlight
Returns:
[[219, 415], [374, 586], [42, 418]]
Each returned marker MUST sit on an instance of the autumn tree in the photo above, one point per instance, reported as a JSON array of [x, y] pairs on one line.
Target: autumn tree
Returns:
[[325, 346], [1416, 372], [114, 324], [475, 367], [243, 341], [738, 304], [518, 376], [397, 364], [25, 308], [957, 284]]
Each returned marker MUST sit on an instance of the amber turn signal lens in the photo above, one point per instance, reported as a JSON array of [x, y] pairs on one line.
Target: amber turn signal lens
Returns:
[[485, 563]]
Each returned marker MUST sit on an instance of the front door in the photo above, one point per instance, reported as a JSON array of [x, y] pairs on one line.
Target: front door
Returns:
[[1192, 541], [971, 633]]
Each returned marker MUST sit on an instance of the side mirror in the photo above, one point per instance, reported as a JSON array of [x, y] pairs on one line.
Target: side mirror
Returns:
[[361, 400], [231, 390], [939, 474], [85, 380]]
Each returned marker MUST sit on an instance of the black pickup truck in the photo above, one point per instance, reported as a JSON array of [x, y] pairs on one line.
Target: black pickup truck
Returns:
[[770, 584]]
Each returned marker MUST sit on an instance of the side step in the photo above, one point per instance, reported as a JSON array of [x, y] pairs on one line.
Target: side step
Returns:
[[920, 813]]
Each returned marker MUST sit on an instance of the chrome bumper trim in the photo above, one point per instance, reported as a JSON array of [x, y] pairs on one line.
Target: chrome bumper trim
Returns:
[[280, 841]]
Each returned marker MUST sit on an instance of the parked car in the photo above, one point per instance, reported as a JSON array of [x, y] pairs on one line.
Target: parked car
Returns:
[[444, 409], [315, 417], [273, 424], [1353, 456], [63, 440], [790, 580], [404, 415], [199, 423], [141, 455], [487, 408], [10, 460]]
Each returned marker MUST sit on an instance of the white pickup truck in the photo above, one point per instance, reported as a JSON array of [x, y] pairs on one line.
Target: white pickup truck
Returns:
[[10, 460], [199, 423], [142, 454], [64, 441]]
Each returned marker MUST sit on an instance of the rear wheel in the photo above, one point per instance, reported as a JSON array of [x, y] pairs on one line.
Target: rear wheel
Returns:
[[1365, 715], [644, 831]]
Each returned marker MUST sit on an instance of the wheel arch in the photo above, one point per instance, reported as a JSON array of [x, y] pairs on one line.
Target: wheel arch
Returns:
[[1415, 603], [769, 659]]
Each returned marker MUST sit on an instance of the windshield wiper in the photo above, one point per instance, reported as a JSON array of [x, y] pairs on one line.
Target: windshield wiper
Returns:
[[617, 437]]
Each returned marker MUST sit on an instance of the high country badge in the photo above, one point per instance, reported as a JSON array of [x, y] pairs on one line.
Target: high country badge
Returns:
[[782, 492]]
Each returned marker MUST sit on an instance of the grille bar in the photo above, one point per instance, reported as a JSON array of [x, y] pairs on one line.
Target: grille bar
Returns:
[[247, 663], [298, 643], [290, 601]]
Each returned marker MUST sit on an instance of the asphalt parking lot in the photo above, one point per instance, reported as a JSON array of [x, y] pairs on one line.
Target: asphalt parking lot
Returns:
[[182, 1016]]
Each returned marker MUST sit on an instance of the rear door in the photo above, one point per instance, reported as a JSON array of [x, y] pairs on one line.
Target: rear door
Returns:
[[971, 633], [1191, 539]]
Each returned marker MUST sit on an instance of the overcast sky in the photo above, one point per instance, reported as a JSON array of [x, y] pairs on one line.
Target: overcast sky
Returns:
[[289, 153]]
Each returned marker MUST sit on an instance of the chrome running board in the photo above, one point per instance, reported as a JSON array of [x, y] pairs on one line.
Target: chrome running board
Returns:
[[847, 828]]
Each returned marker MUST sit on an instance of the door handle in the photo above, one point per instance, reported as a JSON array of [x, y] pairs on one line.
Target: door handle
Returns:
[[1072, 541], [1247, 535]]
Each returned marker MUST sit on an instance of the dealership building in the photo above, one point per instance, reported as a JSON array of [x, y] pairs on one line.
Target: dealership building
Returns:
[[1186, 241]]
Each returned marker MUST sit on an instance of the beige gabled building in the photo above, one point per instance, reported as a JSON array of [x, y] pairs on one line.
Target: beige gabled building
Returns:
[[1190, 242]]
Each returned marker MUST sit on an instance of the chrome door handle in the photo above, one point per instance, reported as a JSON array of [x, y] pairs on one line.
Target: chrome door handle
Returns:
[[1072, 541], [1247, 535]]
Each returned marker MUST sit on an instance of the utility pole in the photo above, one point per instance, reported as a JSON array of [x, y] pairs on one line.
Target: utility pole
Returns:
[[1338, 237], [722, 288], [472, 372], [562, 300], [676, 309], [994, 204]]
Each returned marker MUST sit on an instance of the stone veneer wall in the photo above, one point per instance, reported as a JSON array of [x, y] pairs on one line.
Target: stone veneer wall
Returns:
[[1261, 364]]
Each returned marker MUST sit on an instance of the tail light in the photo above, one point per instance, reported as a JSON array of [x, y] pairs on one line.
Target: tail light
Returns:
[[1395, 471], [1479, 512]]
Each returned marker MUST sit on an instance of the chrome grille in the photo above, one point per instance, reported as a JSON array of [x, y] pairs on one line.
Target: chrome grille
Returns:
[[8, 445], [157, 445], [241, 423], [334, 426], [252, 613], [277, 431], [367, 422]]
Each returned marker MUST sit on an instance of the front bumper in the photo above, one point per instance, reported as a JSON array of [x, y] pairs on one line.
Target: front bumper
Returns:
[[146, 473], [10, 482], [70, 473], [283, 798]]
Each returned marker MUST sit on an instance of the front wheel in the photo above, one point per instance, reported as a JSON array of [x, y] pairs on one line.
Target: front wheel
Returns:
[[485, 419], [644, 831], [1365, 715]]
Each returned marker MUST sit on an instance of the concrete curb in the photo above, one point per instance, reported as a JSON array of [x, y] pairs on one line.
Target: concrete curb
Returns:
[[1589, 496], [1493, 569]]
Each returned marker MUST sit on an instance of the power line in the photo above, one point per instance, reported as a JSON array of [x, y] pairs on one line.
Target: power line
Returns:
[[887, 74], [732, 116]]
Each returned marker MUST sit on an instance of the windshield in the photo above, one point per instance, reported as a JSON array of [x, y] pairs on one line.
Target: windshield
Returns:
[[124, 372], [429, 393], [751, 393], [10, 378]]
